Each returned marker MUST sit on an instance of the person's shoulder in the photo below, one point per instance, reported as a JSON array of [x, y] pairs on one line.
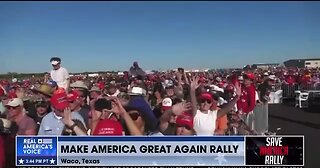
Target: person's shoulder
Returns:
[[213, 111], [28, 119], [48, 116], [64, 69]]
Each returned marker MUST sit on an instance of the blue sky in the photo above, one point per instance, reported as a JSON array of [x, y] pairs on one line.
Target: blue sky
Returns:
[[91, 36]]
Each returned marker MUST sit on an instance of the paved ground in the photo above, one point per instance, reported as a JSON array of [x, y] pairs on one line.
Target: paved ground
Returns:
[[294, 121]]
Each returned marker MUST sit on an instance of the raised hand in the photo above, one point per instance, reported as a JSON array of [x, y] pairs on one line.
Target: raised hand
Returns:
[[179, 108], [238, 89], [194, 83], [117, 108], [67, 118]]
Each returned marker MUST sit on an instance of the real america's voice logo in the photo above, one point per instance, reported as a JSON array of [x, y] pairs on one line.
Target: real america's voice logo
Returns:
[[36, 151]]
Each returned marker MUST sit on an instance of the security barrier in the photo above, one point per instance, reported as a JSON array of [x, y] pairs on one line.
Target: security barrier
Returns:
[[289, 90]]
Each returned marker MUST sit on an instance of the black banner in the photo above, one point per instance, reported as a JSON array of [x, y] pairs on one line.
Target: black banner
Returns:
[[275, 150]]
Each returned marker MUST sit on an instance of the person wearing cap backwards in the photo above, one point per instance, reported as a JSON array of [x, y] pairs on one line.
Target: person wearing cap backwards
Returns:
[[54, 122], [247, 101], [204, 118], [26, 125], [60, 74]]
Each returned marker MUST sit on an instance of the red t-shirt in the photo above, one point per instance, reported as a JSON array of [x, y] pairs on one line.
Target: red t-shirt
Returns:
[[247, 100]]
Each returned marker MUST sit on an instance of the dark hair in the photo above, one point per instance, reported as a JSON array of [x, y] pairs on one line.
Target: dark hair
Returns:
[[176, 101], [55, 59], [42, 104], [158, 87]]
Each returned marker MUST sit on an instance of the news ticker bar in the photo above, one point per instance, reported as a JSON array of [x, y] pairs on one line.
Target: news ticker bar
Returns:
[[160, 151]]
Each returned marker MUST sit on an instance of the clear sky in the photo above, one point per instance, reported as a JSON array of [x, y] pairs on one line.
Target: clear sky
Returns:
[[91, 36]]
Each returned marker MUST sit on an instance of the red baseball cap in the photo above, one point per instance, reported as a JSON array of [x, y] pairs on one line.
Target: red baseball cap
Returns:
[[59, 91], [206, 96], [250, 76], [108, 127], [60, 101], [185, 119], [73, 95]]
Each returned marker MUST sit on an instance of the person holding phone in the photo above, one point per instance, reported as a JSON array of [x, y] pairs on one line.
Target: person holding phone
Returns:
[[107, 118]]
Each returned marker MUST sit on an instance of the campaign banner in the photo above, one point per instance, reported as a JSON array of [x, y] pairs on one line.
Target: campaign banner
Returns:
[[133, 151], [275, 150], [146, 151]]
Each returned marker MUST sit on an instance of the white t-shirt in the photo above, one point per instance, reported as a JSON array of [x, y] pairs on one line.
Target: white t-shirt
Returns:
[[205, 124], [60, 76]]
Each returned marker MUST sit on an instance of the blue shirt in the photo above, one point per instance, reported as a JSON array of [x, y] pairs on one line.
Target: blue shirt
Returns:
[[53, 125]]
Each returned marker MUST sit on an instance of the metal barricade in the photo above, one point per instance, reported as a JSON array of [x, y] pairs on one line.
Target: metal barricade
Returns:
[[313, 86], [289, 90]]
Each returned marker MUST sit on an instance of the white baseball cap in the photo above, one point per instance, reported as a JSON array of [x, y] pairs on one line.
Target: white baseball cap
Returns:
[[15, 102], [135, 91], [55, 62], [166, 103]]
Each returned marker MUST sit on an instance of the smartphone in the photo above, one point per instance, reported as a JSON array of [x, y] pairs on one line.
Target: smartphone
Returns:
[[102, 104]]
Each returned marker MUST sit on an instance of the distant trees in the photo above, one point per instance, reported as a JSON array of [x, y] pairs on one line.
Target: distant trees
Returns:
[[11, 75]]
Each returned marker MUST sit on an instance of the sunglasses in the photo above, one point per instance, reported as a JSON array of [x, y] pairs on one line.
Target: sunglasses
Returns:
[[185, 126], [208, 101], [134, 116]]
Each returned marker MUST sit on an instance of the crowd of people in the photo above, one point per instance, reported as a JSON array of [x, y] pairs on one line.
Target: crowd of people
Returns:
[[137, 103]]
